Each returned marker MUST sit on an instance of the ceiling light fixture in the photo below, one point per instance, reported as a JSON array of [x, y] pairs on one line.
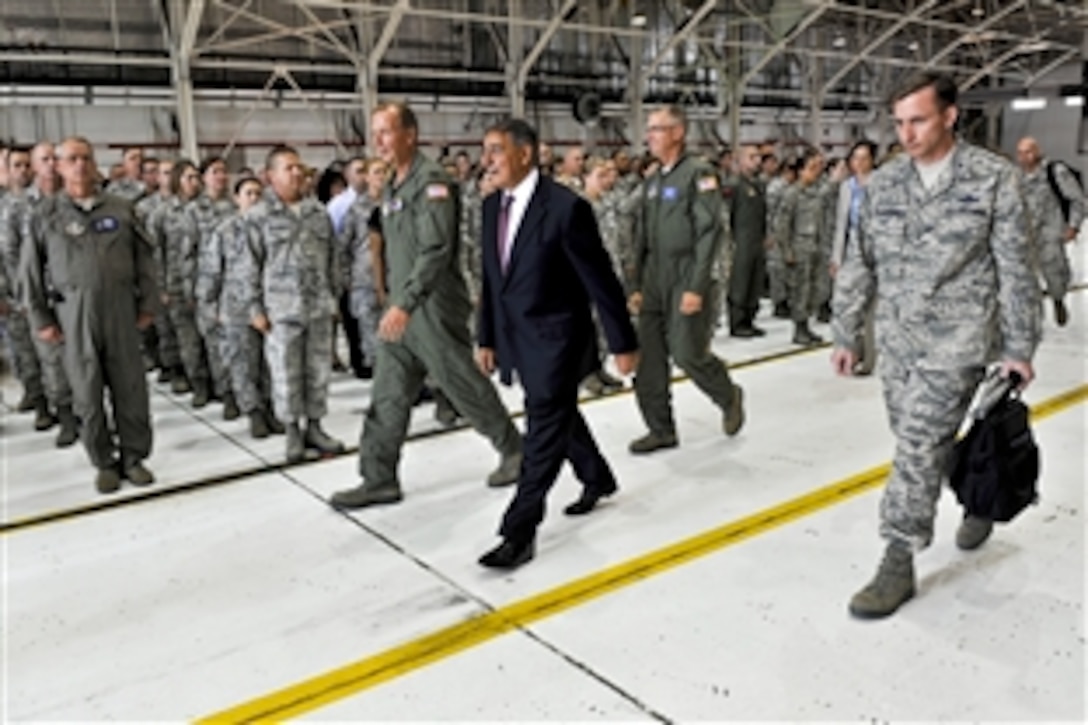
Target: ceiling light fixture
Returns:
[[1028, 104], [839, 42], [638, 21], [1074, 101]]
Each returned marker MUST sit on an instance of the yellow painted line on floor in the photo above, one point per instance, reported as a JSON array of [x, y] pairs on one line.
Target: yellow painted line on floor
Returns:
[[101, 505], [352, 679]]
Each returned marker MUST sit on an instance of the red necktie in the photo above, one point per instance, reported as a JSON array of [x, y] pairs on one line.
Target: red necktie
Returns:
[[504, 224]]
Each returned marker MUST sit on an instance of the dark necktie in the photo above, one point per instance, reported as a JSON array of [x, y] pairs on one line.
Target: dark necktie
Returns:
[[504, 225]]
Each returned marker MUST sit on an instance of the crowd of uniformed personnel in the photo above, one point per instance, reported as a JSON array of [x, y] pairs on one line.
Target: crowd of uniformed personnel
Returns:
[[236, 288]]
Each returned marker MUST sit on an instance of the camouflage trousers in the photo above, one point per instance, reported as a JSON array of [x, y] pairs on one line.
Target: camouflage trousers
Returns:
[[1051, 265], [242, 350], [169, 355], [57, 389], [299, 358], [24, 356], [213, 335], [368, 313], [925, 410], [190, 343], [802, 282], [776, 275]]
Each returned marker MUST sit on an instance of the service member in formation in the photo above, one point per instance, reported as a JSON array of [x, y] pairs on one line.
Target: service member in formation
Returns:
[[676, 251], [425, 325], [89, 280], [941, 247], [746, 197], [801, 230], [292, 273]]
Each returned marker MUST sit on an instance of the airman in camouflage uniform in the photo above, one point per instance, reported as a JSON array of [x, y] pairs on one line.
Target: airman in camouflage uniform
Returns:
[[676, 252], [940, 246], [20, 337], [776, 265], [166, 339], [472, 205], [175, 235], [129, 186], [293, 279], [50, 354], [801, 230], [357, 269], [207, 214], [89, 279], [223, 294], [1048, 255], [425, 326]]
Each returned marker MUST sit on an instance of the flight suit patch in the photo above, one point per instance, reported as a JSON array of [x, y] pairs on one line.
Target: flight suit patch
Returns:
[[106, 224], [438, 192], [74, 229], [669, 193], [707, 183]]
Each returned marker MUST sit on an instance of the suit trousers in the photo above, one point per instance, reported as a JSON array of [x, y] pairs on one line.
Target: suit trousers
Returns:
[[555, 432]]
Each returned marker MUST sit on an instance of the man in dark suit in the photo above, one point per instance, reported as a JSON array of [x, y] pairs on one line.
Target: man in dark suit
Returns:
[[543, 263]]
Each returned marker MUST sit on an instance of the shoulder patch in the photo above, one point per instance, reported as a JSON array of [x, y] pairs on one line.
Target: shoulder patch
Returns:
[[707, 183], [438, 192]]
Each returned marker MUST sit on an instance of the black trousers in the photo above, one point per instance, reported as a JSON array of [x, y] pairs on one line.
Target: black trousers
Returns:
[[555, 432], [351, 330]]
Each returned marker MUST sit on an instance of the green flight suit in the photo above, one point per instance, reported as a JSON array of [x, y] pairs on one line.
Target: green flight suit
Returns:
[[676, 250], [747, 201], [420, 225]]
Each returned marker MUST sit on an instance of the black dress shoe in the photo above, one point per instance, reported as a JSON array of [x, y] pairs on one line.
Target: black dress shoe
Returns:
[[510, 554], [742, 332], [587, 501]]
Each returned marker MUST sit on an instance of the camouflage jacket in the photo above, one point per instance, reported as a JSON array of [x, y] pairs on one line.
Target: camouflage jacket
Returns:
[[174, 233], [222, 292], [948, 266], [356, 266], [291, 266]]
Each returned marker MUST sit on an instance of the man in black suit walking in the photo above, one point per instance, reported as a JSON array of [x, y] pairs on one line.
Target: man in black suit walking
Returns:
[[544, 263]]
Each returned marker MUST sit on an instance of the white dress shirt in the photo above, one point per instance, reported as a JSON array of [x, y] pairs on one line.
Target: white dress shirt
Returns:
[[522, 194]]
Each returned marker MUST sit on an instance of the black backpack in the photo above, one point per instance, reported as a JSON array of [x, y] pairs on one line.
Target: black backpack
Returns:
[[1052, 178], [994, 468]]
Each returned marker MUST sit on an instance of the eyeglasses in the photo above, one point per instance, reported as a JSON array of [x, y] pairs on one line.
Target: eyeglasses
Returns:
[[660, 129]]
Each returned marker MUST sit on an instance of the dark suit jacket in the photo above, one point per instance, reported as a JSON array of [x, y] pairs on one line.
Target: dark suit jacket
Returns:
[[537, 316]]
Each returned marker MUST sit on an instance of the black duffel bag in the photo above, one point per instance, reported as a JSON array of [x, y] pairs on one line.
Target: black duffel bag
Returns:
[[995, 467]]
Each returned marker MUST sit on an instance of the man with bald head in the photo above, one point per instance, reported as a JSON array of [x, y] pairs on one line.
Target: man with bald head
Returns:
[[1050, 228], [89, 281]]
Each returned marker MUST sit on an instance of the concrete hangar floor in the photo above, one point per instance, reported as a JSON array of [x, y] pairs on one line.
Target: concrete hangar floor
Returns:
[[712, 587]]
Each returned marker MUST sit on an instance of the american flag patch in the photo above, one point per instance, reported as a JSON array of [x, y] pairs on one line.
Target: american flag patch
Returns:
[[438, 191], [708, 183]]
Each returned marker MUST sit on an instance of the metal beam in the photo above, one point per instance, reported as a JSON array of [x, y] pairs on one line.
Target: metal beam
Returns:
[[276, 26], [388, 32], [781, 45], [680, 35], [542, 43], [235, 14], [978, 30], [880, 40], [997, 62], [325, 28], [301, 33], [183, 38], [1051, 66]]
